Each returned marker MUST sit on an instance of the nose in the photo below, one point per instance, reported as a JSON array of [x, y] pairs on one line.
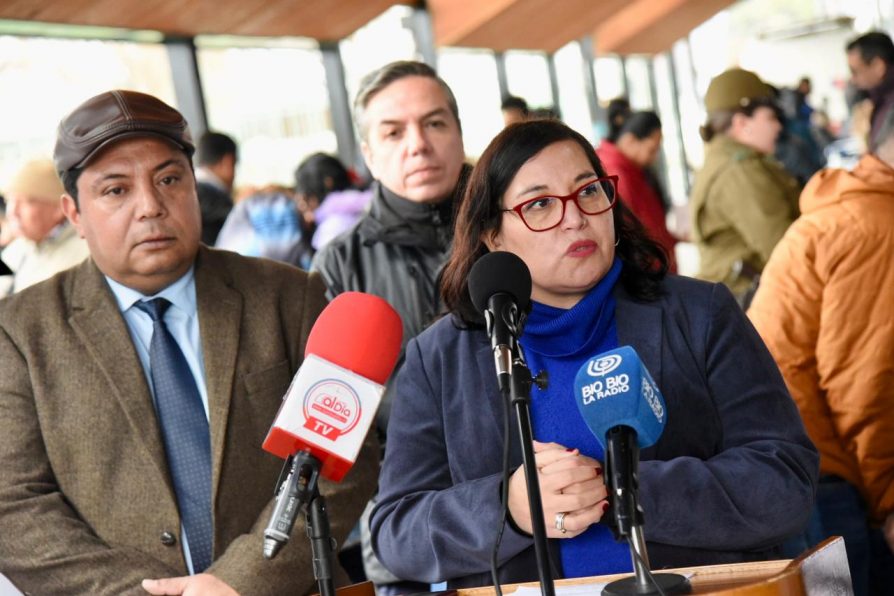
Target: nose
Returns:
[[149, 202], [417, 140], [573, 217]]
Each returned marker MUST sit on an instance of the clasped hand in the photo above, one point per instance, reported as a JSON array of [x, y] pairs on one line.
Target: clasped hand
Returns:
[[570, 483]]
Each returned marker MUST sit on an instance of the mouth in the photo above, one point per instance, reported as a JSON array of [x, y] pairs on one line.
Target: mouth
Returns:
[[424, 172], [581, 248], [156, 241]]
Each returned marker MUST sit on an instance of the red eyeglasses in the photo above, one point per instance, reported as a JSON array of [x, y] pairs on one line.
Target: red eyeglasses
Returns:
[[546, 212]]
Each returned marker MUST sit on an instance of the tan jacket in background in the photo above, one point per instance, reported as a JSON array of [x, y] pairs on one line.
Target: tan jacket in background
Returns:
[[33, 262], [825, 308], [85, 492], [741, 204]]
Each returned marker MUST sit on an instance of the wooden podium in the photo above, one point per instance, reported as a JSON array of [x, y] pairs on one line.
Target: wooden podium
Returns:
[[820, 571]]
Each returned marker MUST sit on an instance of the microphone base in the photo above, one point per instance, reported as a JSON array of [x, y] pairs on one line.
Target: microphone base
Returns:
[[670, 583]]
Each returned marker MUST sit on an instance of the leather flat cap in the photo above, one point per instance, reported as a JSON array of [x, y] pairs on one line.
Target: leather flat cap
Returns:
[[112, 116]]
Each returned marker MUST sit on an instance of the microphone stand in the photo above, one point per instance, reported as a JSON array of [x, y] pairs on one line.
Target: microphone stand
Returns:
[[622, 455], [520, 397], [298, 488]]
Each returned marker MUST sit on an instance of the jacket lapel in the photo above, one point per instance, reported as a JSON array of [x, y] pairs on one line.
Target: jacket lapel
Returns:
[[220, 315], [97, 321], [640, 326]]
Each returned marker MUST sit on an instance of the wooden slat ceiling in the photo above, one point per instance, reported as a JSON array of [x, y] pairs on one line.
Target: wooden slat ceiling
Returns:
[[652, 26], [621, 26], [319, 19]]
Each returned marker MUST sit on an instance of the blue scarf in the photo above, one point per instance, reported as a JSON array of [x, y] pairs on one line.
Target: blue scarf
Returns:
[[560, 341]]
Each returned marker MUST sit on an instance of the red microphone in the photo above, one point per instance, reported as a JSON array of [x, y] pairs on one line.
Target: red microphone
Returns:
[[331, 403]]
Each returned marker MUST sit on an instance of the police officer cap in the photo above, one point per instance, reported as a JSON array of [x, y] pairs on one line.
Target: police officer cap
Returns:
[[736, 88]]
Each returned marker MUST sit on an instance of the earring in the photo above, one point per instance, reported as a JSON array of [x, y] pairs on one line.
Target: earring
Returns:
[[618, 241]]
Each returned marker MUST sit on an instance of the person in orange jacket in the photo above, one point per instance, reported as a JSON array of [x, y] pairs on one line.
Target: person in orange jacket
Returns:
[[824, 309]]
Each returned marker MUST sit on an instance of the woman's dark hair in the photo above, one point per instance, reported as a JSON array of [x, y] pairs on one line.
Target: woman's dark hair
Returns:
[[617, 112], [640, 124], [320, 174], [479, 212]]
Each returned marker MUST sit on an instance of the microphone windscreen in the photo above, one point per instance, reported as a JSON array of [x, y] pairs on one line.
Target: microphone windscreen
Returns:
[[500, 272], [359, 332], [615, 389]]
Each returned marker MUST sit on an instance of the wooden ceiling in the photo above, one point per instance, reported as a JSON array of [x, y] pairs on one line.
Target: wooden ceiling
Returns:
[[620, 26]]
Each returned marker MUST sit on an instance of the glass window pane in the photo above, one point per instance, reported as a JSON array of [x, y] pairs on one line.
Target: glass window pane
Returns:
[[273, 101], [572, 95], [609, 78], [44, 78], [528, 78], [472, 75]]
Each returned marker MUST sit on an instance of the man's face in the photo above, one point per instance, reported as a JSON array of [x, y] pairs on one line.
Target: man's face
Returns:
[[513, 116], [34, 218], [139, 213], [865, 75], [413, 144]]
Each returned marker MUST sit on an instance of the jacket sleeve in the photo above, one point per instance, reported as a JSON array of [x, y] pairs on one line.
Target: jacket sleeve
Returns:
[[826, 329], [328, 263], [758, 486], [424, 527], [242, 565], [759, 202], [45, 546]]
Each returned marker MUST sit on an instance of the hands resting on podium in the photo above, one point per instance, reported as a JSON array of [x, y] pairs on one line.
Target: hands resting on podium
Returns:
[[195, 585], [570, 483]]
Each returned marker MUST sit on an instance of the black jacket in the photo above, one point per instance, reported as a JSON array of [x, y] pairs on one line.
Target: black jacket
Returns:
[[396, 251]]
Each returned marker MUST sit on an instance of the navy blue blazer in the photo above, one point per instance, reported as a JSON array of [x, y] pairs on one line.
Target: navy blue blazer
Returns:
[[731, 477]]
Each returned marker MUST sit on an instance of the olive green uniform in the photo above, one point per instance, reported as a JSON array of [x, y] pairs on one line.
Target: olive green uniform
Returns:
[[741, 204]]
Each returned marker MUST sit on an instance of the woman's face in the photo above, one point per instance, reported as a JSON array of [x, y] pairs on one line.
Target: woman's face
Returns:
[[642, 152], [568, 260], [758, 131]]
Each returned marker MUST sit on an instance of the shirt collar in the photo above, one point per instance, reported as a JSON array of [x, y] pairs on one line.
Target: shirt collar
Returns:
[[181, 293]]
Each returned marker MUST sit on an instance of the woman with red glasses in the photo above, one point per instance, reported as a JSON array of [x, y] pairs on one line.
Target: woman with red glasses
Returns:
[[731, 476]]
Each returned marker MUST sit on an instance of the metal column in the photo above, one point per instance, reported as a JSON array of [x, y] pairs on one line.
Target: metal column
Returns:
[[625, 85], [675, 103], [661, 163], [187, 83], [339, 104], [554, 82], [423, 33], [502, 79], [598, 122]]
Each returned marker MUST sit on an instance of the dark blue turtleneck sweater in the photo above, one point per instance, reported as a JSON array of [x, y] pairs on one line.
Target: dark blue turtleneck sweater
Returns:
[[560, 341]]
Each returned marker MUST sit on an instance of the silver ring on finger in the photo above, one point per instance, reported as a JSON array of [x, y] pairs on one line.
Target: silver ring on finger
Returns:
[[560, 522]]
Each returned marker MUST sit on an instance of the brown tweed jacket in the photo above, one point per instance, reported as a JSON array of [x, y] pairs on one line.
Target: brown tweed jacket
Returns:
[[85, 493]]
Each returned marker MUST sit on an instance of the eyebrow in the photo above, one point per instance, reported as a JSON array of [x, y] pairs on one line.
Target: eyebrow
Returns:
[[426, 116], [117, 176], [544, 187]]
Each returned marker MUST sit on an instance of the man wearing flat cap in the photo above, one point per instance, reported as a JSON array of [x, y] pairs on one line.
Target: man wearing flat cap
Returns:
[[137, 388], [46, 243]]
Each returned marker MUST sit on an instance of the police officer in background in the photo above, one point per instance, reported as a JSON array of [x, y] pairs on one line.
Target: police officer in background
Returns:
[[742, 200]]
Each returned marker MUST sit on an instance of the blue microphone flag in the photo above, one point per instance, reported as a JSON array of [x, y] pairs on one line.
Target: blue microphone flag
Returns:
[[615, 389]]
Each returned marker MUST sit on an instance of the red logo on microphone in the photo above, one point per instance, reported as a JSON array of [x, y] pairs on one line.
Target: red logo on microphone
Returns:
[[331, 409]]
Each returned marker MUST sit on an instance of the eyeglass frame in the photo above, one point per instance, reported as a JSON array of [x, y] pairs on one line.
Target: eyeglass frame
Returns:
[[614, 179]]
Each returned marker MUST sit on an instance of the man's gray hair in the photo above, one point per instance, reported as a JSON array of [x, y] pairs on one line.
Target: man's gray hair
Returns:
[[377, 80]]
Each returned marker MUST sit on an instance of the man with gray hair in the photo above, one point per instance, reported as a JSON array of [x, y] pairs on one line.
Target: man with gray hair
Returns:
[[411, 140], [824, 310]]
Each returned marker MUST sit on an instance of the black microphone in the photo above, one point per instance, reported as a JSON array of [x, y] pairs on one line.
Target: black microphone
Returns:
[[500, 287]]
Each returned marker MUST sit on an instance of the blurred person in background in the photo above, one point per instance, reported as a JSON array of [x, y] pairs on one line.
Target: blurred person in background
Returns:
[[327, 198], [411, 138], [268, 224], [629, 151], [515, 109], [45, 242], [870, 58], [216, 157], [742, 200], [824, 309]]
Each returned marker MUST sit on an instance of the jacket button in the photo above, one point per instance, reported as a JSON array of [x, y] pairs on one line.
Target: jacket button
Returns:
[[168, 539]]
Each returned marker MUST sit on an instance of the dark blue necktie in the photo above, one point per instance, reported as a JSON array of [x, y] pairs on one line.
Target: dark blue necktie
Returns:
[[184, 427]]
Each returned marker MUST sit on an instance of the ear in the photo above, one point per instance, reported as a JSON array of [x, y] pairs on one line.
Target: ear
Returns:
[[70, 209], [491, 239]]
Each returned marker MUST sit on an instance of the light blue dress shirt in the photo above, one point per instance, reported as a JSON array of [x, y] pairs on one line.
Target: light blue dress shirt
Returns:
[[182, 320]]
